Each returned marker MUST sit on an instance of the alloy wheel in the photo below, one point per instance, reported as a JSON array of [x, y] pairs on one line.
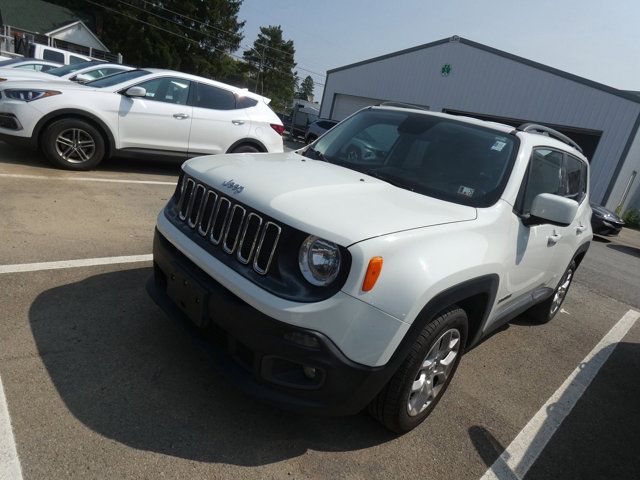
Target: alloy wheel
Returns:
[[561, 292], [434, 372], [75, 145]]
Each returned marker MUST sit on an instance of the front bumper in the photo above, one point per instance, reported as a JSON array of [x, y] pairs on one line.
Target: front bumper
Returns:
[[17, 123], [603, 226], [258, 353]]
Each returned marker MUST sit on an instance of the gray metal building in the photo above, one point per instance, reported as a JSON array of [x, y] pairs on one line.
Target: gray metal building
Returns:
[[459, 76]]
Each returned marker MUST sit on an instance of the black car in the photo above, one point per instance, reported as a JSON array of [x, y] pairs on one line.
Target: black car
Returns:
[[317, 128], [605, 222]]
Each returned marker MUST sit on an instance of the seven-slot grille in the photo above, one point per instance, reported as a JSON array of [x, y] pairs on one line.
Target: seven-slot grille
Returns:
[[228, 225]]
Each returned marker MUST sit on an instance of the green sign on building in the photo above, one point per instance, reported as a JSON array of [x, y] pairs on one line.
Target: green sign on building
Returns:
[[445, 70]]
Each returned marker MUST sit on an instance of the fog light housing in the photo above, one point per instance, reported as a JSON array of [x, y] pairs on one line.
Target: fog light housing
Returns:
[[309, 372]]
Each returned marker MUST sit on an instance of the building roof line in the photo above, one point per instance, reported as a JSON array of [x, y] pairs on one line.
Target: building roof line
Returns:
[[570, 76], [82, 24]]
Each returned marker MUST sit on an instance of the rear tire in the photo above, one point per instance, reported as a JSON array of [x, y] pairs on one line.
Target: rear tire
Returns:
[[73, 144], [415, 389], [245, 149], [545, 311]]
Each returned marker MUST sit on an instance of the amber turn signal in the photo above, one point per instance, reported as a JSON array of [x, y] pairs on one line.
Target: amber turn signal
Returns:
[[373, 272]]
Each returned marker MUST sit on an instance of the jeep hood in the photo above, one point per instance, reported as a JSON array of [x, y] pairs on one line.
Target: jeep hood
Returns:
[[323, 199]]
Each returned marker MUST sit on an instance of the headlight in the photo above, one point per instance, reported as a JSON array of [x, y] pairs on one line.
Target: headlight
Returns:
[[319, 261], [29, 95]]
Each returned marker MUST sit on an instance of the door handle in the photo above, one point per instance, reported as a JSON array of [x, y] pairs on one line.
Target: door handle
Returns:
[[553, 239], [180, 116], [580, 228], [237, 122]]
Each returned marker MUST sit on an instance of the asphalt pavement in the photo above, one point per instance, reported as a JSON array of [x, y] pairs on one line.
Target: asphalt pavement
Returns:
[[99, 383]]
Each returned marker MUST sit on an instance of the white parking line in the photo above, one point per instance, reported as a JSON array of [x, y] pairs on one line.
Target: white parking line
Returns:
[[84, 179], [86, 262], [9, 462], [523, 451]]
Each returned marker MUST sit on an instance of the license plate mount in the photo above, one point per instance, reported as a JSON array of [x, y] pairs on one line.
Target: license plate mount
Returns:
[[188, 296]]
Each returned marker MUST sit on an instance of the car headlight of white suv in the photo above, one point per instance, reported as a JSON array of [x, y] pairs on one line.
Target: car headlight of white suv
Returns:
[[319, 261], [29, 95]]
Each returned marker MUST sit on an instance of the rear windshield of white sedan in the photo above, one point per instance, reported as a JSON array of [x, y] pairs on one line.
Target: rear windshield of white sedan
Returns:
[[112, 80], [436, 156]]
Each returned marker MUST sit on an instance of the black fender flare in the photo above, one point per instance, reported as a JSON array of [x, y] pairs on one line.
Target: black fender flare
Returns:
[[249, 141], [73, 112], [582, 249], [485, 284]]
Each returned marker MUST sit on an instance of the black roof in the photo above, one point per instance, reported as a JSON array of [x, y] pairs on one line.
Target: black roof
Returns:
[[585, 81]]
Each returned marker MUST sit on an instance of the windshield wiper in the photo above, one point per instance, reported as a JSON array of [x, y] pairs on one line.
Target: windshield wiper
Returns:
[[314, 154], [385, 178]]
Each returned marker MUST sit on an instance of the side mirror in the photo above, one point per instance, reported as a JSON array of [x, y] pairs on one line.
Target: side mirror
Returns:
[[82, 78], [553, 209], [136, 92]]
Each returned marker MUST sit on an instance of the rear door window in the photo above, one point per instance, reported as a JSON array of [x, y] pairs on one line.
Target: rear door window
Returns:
[[575, 178], [214, 98]]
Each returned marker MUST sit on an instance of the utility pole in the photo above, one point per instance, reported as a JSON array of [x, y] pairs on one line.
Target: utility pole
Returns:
[[258, 79]]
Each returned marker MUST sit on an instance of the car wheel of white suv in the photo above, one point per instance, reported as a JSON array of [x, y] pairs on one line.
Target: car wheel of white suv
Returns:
[[245, 149], [73, 144], [545, 311], [417, 386]]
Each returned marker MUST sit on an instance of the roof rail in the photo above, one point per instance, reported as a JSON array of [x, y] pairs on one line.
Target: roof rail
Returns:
[[542, 130], [402, 105]]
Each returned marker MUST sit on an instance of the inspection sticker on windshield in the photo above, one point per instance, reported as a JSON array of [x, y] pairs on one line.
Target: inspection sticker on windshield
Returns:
[[466, 191], [499, 144]]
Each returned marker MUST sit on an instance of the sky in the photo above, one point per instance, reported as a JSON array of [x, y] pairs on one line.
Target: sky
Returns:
[[594, 39]]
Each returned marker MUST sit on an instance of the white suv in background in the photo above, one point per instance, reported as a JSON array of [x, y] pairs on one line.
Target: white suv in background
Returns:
[[356, 273], [141, 113]]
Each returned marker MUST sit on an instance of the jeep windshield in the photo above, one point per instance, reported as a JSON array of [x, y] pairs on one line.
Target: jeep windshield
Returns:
[[431, 155]]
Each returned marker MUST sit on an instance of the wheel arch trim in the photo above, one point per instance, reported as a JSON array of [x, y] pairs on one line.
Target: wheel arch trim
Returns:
[[73, 112], [249, 141]]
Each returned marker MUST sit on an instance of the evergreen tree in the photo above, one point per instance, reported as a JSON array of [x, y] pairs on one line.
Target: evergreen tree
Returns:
[[193, 36], [271, 67], [306, 88]]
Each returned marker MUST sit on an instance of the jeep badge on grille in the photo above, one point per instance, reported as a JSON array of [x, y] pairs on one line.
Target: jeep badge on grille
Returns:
[[231, 185]]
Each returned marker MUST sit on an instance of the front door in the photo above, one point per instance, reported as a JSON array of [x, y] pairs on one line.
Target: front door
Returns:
[[573, 235], [532, 266], [159, 121]]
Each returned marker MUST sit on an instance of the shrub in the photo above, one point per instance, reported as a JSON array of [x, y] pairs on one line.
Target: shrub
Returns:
[[632, 218]]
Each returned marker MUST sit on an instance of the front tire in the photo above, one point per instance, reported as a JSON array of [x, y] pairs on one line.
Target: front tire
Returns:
[[545, 311], [418, 385], [73, 144]]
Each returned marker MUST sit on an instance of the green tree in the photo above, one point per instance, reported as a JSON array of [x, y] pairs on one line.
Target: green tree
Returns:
[[306, 88], [271, 67], [193, 36]]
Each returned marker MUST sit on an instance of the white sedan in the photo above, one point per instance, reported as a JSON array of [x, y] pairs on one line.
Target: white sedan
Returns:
[[29, 64], [78, 72], [140, 113]]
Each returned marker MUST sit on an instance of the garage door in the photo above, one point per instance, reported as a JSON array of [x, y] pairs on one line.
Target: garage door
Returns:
[[345, 105]]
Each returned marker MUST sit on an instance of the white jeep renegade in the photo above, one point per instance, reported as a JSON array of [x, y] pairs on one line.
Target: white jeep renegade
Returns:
[[357, 271]]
